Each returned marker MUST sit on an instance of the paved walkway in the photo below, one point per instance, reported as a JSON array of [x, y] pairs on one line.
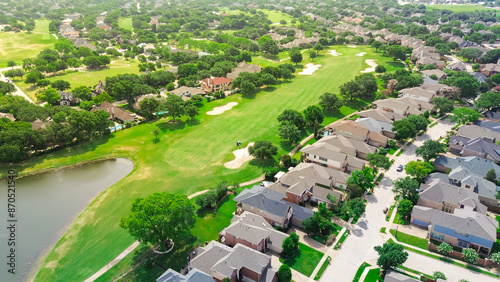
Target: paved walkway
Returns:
[[18, 92]]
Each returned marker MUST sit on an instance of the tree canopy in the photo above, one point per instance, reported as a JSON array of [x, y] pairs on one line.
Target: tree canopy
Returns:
[[464, 115], [263, 149], [430, 149], [391, 255]]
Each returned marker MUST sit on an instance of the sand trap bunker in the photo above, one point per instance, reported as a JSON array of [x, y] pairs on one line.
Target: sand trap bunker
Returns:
[[372, 65], [361, 54], [334, 53], [222, 109], [352, 46], [309, 69], [241, 155]]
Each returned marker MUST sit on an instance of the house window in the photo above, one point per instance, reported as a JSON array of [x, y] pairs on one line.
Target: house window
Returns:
[[467, 186], [323, 159], [437, 236], [463, 244], [314, 156]]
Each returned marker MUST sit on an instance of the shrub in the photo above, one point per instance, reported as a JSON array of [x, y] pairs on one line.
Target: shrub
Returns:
[[470, 256], [439, 275], [445, 248]]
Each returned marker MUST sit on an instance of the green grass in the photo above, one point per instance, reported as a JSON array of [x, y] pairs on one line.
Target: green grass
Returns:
[[398, 219], [84, 77], [322, 269], [399, 153], [277, 16], [305, 261], [433, 124], [125, 23], [21, 45], [189, 157], [410, 239], [210, 223], [389, 213], [360, 271], [341, 239], [373, 275], [459, 8], [382, 230]]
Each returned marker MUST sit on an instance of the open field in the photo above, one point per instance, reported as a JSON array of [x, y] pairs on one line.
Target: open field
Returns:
[[460, 8], [21, 45], [273, 16], [125, 23], [84, 77], [189, 157]]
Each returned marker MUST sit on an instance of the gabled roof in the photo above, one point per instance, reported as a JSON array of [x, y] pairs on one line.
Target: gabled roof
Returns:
[[491, 125], [114, 111], [351, 127], [194, 275], [473, 131], [437, 72], [242, 256], [184, 89], [492, 115], [478, 145], [249, 233], [438, 190], [264, 199], [348, 145], [209, 255], [375, 125], [381, 115], [216, 80], [393, 276], [325, 150]]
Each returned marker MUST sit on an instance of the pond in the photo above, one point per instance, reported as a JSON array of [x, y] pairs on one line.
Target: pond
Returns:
[[45, 206]]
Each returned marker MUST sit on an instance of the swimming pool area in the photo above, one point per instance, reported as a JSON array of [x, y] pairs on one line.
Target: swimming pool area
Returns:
[[117, 127]]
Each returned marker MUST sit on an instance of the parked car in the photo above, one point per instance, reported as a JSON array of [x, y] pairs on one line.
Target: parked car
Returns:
[[400, 168]]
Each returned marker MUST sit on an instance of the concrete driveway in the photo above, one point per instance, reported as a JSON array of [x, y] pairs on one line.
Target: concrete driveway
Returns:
[[365, 235]]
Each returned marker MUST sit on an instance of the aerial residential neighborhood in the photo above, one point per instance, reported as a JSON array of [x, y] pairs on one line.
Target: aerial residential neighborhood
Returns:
[[269, 141]]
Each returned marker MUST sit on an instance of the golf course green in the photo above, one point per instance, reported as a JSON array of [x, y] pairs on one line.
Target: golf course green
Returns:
[[188, 157]]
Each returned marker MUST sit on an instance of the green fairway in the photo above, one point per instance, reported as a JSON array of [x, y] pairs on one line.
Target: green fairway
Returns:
[[21, 45], [189, 157], [125, 23], [277, 16], [84, 77], [305, 261], [460, 8]]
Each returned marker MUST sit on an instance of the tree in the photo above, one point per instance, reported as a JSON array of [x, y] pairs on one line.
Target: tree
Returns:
[[439, 275], [312, 55], [49, 95], [155, 132], [159, 218], [430, 149], [404, 129], [11, 64], [313, 114], [293, 116], [352, 90], [380, 69], [295, 55], [467, 83], [284, 273], [83, 93], [404, 208], [470, 53], [353, 191], [377, 160], [487, 101], [391, 255], [354, 208], [443, 105], [310, 225], [464, 115], [174, 105], [191, 110], [419, 170], [362, 178], [247, 87], [149, 105], [406, 188], [290, 245], [491, 175], [6, 88], [263, 149], [33, 77], [330, 102], [60, 85], [444, 248], [419, 121], [289, 132], [396, 52], [376, 45], [318, 47], [470, 256], [268, 79]]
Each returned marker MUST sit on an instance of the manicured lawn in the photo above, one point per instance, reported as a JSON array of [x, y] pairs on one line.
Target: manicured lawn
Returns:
[[209, 223], [189, 157], [373, 275], [382, 230], [277, 16], [410, 239], [414, 272], [125, 23], [389, 213], [400, 152], [306, 260], [459, 8], [399, 220], [341, 239], [322, 269], [85, 77], [21, 45], [360, 271]]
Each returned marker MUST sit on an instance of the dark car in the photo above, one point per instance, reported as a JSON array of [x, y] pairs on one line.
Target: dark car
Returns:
[[400, 168]]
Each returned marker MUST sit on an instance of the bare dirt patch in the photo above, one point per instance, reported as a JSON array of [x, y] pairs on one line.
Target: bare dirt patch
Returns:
[[309, 69], [222, 109], [372, 65], [242, 156]]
